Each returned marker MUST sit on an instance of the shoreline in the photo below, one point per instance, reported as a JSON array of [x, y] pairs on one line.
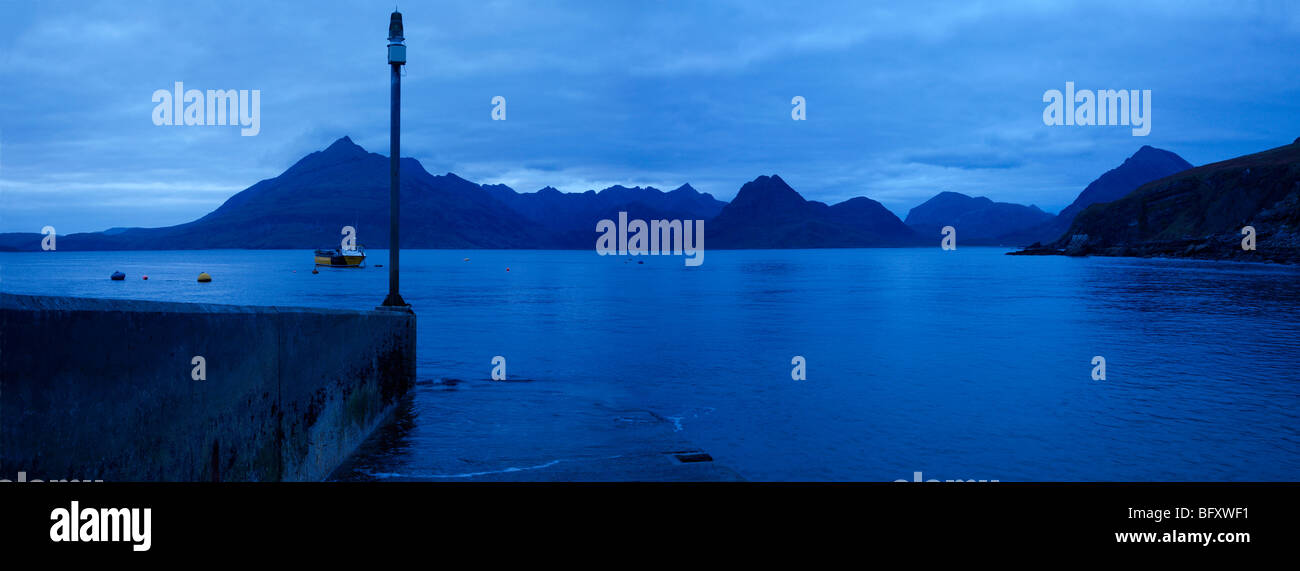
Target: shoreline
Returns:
[[1288, 258]]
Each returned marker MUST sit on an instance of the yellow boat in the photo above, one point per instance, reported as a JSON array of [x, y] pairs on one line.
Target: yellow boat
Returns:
[[340, 258]]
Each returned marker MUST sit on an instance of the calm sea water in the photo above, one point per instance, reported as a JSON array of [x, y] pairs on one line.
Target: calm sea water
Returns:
[[967, 364]]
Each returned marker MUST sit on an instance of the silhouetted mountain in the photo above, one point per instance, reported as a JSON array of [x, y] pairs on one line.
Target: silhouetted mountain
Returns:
[[977, 220], [1146, 165], [573, 216], [767, 213], [1200, 212], [309, 204]]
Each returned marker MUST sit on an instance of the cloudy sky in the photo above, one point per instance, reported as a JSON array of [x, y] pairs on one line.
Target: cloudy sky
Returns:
[[904, 99]]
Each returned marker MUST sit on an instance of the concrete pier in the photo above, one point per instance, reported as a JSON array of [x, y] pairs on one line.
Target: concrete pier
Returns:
[[105, 389]]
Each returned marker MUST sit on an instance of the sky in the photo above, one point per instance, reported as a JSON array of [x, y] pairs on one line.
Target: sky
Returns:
[[903, 100]]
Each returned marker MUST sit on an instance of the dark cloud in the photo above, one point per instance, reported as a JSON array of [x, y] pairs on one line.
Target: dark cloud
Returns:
[[967, 160]]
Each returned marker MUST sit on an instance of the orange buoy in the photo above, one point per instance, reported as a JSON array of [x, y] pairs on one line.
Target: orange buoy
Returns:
[[507, 269], [204, 277], [144, 277], [315, 271]]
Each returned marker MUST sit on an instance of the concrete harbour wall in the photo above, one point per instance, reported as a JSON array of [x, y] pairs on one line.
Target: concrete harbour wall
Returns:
[[103, 389]]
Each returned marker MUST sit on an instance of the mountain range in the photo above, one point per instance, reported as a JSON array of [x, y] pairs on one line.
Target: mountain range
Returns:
[[307, 205], [570, 218]]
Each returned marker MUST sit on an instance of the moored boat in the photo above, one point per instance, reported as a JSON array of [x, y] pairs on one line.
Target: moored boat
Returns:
[[341, 258]]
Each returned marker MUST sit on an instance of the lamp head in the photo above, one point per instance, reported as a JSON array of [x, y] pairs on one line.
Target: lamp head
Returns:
[[396, 42], [395, 27]]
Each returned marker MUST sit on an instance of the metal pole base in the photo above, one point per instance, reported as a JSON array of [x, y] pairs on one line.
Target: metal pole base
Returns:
[[395, 300]]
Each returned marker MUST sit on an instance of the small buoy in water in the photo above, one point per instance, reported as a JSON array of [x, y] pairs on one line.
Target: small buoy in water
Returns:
[[507, 269], [117, 276], [466, 259], [315, 271], [144, 277], [204, 277]]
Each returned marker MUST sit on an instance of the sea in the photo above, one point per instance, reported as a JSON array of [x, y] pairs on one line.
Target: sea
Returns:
[[963, 364]]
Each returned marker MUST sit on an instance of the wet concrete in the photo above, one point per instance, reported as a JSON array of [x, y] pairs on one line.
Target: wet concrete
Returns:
[[107, 389]]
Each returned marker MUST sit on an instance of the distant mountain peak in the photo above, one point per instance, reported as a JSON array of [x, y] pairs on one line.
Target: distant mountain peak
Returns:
[[767, 196], [978, 217], [342, 150], [858, 201], [766, 188], [1146, 165], [768, 213], [773, 181], [344, 146], [618, 188], [1147, 153]]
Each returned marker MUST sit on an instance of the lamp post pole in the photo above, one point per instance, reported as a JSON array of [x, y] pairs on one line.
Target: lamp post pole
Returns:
[[396, 59]]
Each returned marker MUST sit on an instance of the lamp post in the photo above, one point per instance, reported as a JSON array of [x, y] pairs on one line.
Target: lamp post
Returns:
[[396, 59]]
